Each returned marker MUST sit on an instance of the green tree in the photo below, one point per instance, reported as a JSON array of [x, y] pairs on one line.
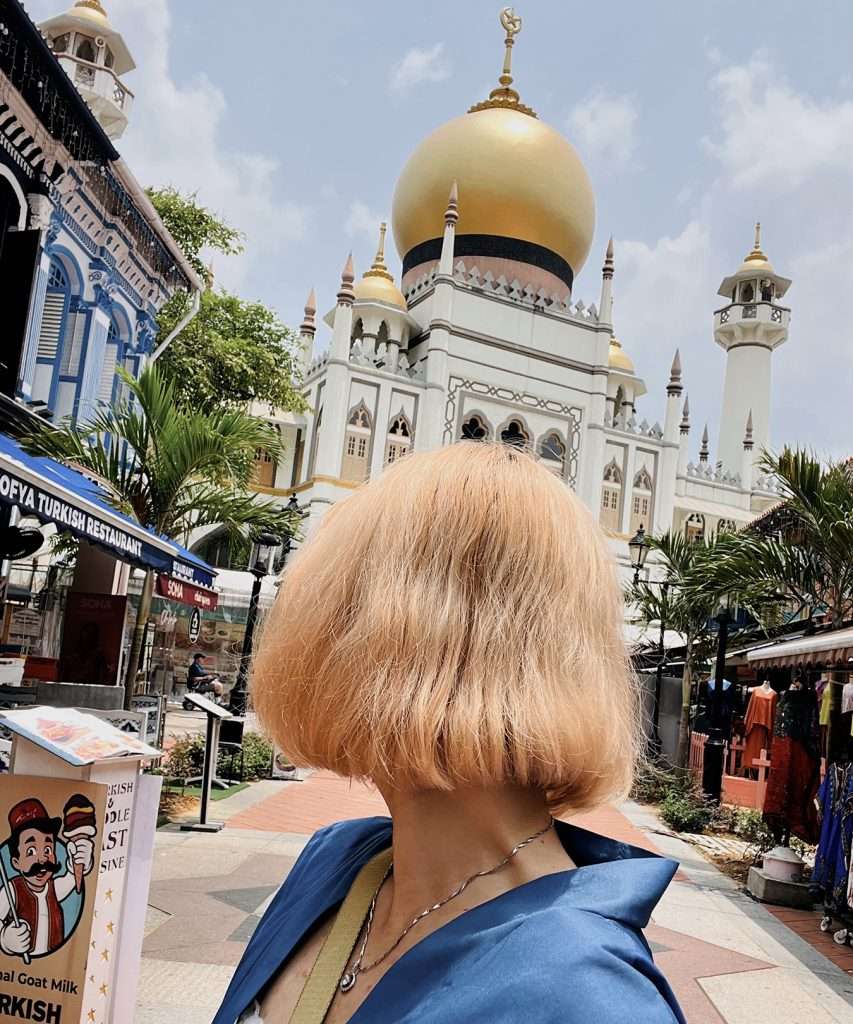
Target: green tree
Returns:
[[173, 469], [194, 227], [672, 599], [232, 352], [799, 558]]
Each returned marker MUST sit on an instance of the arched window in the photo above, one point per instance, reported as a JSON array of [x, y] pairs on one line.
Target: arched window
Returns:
[[109, 57], [475, 429], [747, 292], [766, 291], [399, 440], [112, 359], [641, 500], [726, 526], [86, 49], [515, 433], [694, 528], [60, 43], [355, 465], [357, 331], [611, 497], [552, 452]]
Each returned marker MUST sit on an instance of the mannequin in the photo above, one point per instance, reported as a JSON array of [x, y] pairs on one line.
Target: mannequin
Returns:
[[759, 725]]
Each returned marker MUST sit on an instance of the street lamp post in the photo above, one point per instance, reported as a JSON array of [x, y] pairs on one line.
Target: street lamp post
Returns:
[[260, 562], [639, 546], [715, 745], [259, 566]]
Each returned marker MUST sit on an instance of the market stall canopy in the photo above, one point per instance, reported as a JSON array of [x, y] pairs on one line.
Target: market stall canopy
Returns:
[[56, 494], [647, 638], [835, 647]]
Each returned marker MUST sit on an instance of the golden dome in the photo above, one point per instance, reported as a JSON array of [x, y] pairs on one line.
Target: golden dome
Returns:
[[377, 284], [617, 358], [756, 262], [91, 9], [518, 179]]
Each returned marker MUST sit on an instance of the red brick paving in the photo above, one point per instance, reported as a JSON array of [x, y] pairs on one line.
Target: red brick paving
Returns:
[[806, 924]]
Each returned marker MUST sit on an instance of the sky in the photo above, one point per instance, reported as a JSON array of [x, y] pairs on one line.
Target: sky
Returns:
[[694, 120]]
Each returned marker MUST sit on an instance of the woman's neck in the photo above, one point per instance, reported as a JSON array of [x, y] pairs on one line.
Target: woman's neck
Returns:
[[442, 838]]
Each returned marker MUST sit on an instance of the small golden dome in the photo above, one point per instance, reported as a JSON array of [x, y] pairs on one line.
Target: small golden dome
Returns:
[[91, 9], [618, 359], [377, 284], [755, 261], [518, 179]]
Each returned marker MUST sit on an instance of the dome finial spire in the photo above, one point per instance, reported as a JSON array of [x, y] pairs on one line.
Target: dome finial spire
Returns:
[[378, 268], [757, 252], [504, 95], [95, 5]]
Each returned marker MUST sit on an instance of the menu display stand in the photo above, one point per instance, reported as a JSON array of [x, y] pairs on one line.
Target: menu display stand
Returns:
[[215, 715], [54, 747]]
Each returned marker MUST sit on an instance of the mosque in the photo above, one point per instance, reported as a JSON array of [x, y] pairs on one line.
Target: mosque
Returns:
[[493, 218]]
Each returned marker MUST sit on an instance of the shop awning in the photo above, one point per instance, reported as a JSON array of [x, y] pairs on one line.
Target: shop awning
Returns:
[[58, 495], [835, 647]]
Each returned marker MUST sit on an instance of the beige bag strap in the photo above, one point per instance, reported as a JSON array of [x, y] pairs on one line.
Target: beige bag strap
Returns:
[[322, 983]]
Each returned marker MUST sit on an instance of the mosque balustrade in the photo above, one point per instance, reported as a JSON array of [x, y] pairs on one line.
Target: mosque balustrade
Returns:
[[620, 424], [469, 276], [97, 79], [761, 312], [716, 474]]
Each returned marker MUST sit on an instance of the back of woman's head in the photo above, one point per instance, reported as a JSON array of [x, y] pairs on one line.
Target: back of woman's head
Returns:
[[456, 622]]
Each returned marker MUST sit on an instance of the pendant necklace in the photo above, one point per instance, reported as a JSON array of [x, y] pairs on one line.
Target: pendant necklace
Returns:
[[349, 978]]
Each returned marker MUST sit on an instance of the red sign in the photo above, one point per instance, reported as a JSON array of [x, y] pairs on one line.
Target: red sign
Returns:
[[187, 593]]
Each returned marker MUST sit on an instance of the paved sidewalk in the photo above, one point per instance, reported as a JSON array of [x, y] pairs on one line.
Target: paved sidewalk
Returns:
[[729, 959]]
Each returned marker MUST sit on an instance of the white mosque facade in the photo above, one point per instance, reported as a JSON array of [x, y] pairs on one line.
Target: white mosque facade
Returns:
[[493, 217]]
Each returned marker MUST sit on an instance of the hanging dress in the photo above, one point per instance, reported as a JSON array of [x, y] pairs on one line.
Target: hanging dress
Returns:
[[759, 725], [830, 873], [794, 778]]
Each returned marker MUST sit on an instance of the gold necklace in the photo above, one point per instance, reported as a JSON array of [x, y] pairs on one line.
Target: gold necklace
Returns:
[[350, 977]]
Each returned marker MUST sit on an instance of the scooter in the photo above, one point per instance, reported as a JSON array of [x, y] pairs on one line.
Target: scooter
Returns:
[[188, 704]]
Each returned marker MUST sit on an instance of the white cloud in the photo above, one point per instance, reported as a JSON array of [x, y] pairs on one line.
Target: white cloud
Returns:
[[175, 137], [363, 221], [604, 126], [771, 135], [420, 65]]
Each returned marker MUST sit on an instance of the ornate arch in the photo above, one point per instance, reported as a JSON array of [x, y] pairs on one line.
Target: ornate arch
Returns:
[[552, 450], [613, 473], [476, 427], [514, 430]]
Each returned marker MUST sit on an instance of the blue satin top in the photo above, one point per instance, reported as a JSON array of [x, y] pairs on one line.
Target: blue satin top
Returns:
[[566, 948]]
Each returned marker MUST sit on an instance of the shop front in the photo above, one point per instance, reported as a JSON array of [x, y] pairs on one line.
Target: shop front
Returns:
[[65, 611]]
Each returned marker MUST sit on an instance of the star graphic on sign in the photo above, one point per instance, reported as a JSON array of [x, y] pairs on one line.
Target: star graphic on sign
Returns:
[[92, 978], [103, 989], [109, 895], [105, 954], [91, 1014], [110, 927]]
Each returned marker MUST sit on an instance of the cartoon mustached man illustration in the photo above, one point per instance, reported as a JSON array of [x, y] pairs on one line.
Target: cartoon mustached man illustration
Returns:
[[33, 926]]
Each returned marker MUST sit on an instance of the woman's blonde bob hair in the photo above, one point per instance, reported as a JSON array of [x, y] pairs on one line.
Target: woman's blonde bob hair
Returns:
[[456, 622]]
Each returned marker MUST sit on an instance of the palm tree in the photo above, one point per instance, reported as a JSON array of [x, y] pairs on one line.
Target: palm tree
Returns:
[[671, 599], [175, 470], [801, 553]]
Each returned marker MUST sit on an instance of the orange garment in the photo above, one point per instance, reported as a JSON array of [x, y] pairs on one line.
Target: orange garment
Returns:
[[759, 724]]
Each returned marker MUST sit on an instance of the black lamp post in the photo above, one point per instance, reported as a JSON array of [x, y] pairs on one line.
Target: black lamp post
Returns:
[[260, 564], [715, 745], [639, 546]]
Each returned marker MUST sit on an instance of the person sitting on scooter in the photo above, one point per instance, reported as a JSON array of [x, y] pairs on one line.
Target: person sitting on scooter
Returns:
[[199, 680]]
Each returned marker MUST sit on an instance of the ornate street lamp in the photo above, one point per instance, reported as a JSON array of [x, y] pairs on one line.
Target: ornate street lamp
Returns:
[[715, 745], [639, 546], [261, 562]]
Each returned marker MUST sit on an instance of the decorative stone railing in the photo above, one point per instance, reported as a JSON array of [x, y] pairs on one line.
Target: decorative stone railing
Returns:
[[359, 357], [631, 426], [715, 474], [515, 291]]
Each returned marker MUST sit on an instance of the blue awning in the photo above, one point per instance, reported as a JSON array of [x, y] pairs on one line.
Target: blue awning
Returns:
[[56, 494]]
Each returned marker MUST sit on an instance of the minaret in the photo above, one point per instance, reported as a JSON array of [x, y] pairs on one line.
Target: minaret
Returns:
[[307, 330], [704, 447], [748, 462], [439, 331], [665, 502], [605, 306], [334, 407], [95, 56], [684, 439], [750, 327]]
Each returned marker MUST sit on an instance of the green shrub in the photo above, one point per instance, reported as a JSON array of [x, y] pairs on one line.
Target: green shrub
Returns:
[[257, 755], [654, 782], [185, 760], [686, 811]]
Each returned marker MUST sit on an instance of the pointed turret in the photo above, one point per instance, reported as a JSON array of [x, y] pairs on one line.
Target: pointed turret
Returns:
[[448, 243], [307, 330], [747, 472], [704, 448], [605, 305], [674, 387], [346, 294]]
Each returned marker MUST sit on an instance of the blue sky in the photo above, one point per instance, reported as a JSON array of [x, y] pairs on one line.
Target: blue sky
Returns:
[[693, 119]]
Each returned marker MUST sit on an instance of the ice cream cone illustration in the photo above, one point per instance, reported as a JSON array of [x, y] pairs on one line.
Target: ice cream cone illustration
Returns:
[[78, 821]]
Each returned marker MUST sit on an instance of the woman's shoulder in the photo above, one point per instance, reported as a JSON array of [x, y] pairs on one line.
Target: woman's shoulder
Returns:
[[341, 845]]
